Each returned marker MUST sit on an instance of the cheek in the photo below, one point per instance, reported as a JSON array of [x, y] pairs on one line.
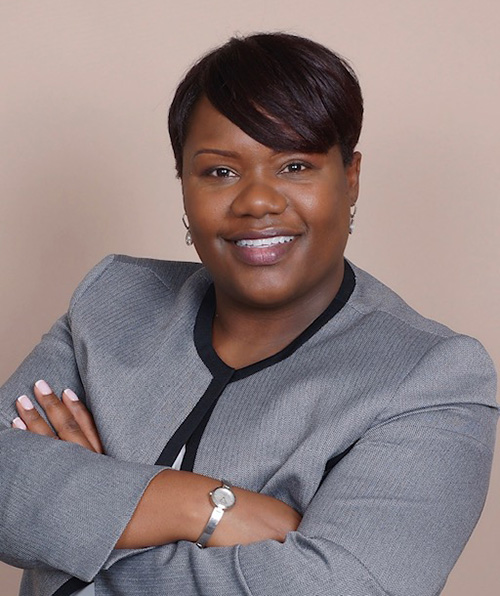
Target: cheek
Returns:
[[326, 211], [203, 204], [206, 224], [197, 207]]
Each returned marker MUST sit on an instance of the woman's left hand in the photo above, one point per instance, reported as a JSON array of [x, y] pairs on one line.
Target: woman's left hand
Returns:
[[70, 419]]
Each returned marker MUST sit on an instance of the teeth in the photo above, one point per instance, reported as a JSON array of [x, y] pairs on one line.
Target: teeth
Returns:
[[264, 241]]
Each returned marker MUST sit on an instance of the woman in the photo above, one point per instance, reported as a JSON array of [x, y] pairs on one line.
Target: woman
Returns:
[[331, 439]]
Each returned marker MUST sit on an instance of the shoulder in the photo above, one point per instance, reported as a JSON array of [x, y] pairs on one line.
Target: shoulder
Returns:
[[430, 356], [373, 298], [379, 310], [122, 292], [125, 305], [119, 272], [171, 273]]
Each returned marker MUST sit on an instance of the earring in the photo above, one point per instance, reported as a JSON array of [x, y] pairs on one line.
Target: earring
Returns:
[[188, 238], [351, 220]]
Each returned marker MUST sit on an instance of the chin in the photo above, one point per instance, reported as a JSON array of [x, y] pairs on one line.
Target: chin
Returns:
[[268, 295]]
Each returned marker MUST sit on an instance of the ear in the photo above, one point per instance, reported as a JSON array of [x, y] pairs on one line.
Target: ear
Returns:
[[352, 171]]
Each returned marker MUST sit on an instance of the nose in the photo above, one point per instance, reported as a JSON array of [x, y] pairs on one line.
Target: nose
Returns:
[[258, 199]]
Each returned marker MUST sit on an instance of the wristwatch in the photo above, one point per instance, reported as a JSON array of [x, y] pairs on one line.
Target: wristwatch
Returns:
[[222, 499]]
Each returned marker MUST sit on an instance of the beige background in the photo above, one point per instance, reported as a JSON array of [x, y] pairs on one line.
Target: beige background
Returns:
[[86, 168]]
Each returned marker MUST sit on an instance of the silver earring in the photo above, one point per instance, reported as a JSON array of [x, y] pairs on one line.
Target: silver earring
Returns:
[[351, 220], [188, 238]]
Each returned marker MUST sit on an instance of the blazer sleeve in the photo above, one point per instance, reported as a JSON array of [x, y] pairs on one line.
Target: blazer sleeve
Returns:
[[390, 519], [61, 506]]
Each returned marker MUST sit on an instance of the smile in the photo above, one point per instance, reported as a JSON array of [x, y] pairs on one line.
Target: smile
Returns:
[[264, 242], [266, 250]]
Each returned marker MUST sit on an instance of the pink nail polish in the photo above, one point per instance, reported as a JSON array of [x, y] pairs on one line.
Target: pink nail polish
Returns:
[[43, 387], [18, 423], [25, 402], [70, 394]]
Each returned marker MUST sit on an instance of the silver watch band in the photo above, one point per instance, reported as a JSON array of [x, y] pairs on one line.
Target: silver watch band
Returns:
[[208, 530], [217, 512]]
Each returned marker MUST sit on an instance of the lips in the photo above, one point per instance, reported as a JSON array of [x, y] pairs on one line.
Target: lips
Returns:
[[265, 247]]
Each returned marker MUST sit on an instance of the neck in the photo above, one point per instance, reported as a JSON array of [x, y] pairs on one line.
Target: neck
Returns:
[[244, 334]]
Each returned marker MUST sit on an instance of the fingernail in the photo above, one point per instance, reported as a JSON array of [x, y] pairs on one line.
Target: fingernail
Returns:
[[25, 402], [70, 394], [18, 423], [43, 387]]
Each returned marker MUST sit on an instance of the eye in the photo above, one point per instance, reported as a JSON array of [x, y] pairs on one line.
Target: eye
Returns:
[[295, 168], [220, 172]]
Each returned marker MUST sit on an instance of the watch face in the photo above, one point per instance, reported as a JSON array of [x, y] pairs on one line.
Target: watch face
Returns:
[[223, 497]]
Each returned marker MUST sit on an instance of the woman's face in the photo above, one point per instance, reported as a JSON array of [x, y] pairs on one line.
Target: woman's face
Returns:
[[271, 227]]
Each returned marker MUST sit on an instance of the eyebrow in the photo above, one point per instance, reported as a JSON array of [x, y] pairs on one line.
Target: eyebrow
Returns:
[[216, 152]]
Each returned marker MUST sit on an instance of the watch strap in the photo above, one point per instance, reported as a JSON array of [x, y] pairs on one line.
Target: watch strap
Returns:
[[208, 530], [215, 517]]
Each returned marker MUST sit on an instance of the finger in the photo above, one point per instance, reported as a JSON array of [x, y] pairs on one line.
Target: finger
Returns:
[[62, 420], [31, 418], [84, 419], [19, 424]]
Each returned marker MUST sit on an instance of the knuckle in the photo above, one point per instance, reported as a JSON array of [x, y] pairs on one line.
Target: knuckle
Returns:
[[70, 425], [31, 415], [51, 402]]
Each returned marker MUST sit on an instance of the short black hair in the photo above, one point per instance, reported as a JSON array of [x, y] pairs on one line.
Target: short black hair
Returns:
[[285, 91]]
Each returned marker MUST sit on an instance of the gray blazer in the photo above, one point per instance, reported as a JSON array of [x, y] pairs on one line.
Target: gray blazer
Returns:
[[409, 403]]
